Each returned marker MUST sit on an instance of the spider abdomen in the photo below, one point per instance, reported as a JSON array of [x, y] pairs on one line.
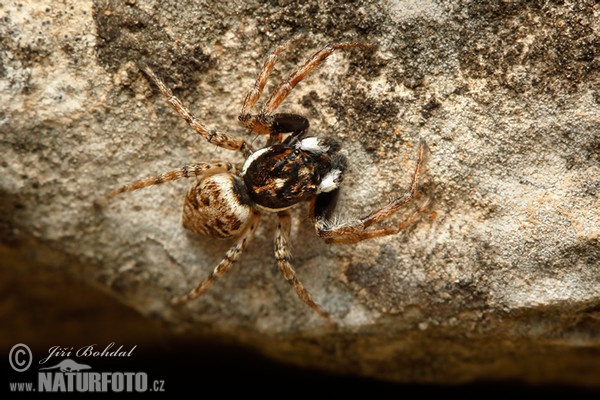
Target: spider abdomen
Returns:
[[217, 206]]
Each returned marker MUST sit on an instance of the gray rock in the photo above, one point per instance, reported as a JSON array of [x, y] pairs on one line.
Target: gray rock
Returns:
[[500, 279]]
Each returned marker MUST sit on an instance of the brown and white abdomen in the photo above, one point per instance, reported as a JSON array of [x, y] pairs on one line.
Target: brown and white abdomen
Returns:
[[217, 206]]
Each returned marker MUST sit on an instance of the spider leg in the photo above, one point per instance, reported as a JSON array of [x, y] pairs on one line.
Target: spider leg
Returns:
[[281, 92], [212, 136], [254, 93], [282, 255], [323, 205], [231, 257], [267, 123], [189, 171]]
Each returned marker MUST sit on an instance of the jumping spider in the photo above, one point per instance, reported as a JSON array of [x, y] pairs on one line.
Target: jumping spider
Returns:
[[227, 201]]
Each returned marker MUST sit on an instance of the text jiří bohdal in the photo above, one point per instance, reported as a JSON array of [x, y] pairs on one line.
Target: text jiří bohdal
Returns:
[[92, 350]]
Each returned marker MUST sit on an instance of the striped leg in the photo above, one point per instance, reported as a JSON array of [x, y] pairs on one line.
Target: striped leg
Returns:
[[354, 233], [261, 123], [254, 93], [286, 87], [361, 229], [189, 171], [283, 257], [265, 122], [213, 136], [231, 257]]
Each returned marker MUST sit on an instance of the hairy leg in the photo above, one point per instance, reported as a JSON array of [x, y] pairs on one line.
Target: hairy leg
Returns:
[[231, 257], [283, 257], [360, 229], [189, 171], [212, 136], [282, 91], [256, 91], [265, 122]]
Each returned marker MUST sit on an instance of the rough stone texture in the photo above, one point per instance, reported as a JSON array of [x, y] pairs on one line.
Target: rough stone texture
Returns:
[[501, 278]]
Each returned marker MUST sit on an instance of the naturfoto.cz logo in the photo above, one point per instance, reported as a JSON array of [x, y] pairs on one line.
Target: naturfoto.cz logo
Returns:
[[68, 375]]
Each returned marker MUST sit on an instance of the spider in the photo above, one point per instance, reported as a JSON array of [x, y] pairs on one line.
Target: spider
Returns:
[[227, 200]]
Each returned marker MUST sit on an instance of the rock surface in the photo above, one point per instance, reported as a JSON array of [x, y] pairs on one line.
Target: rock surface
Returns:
[[500, 279]]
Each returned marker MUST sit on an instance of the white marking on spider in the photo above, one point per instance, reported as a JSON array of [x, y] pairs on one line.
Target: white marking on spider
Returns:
[[313, 145], [330, 182], [252, 158]]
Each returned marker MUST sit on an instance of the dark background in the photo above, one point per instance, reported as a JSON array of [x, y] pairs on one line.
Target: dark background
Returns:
[[43, 308]]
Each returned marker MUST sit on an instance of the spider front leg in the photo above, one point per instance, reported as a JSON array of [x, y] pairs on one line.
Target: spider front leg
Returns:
[[265, 122], [212, 136], [231, 257], [254, 93], [282, 91], [323, 205], [283, 257]]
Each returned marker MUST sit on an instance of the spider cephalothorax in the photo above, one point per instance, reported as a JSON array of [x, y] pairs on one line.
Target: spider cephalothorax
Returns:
[[226, 202], [279, 176]]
